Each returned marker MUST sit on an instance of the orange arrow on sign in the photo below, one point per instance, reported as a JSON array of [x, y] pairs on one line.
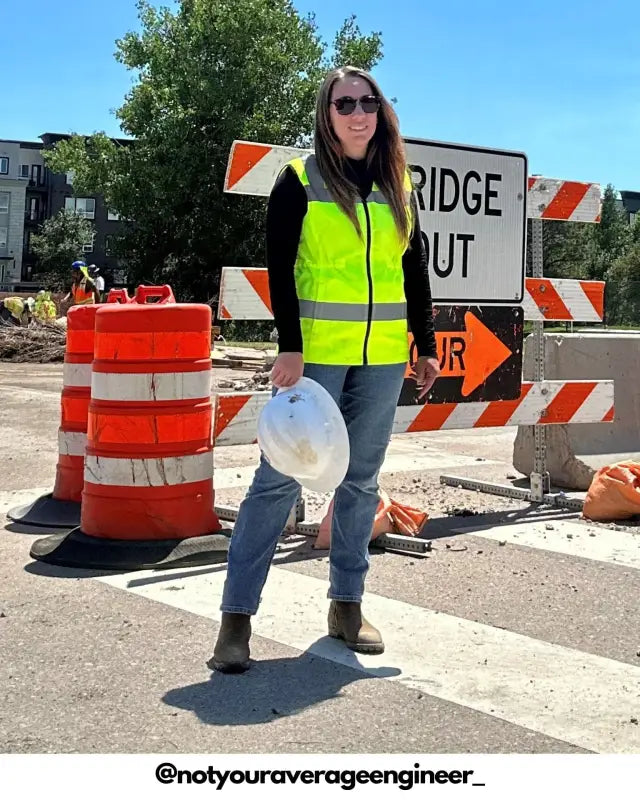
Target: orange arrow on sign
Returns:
[[474, 353]]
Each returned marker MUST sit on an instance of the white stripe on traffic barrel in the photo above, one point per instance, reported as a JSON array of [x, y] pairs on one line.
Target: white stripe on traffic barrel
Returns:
[[147, 472], [76, 374], [71, 443], [150, 386]]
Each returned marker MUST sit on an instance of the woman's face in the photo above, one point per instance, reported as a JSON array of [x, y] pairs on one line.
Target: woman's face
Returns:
[[355, 130]]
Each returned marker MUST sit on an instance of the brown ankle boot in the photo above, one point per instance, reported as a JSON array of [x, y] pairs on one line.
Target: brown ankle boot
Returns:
[[231, 653], [346, 622]]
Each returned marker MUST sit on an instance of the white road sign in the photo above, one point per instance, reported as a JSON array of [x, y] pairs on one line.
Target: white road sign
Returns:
[[472, 208]]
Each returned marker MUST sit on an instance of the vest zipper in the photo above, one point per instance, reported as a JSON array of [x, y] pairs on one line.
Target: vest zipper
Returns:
[[370, 278]]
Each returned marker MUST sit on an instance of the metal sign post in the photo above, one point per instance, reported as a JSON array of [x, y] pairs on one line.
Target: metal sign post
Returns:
[[540, 482]]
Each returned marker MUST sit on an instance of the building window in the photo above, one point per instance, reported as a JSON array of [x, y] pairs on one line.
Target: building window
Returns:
[[34, 209], [27, 242], [24, 170], [112, 216], [4, 202], [4, 165], [83, 206], [108, 244], [4, 232], [36, 174], [87, 247]]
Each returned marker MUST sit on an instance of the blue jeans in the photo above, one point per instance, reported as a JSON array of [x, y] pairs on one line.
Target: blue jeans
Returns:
[[367, 397]]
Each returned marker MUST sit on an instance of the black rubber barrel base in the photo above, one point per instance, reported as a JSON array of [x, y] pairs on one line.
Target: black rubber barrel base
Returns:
[[76, 549], [47, 512]]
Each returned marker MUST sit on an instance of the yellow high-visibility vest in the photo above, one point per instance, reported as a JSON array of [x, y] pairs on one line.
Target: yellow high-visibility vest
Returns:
[[350, 288], [44, 308]]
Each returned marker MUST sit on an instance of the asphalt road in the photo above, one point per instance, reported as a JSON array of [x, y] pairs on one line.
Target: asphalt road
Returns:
[[519, 637]]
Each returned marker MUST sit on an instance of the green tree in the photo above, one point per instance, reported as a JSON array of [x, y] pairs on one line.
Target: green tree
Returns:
[[623, 281], [58, 244], [212, 72], [610, 238], [623, 288], [585, 250], [564, 247]]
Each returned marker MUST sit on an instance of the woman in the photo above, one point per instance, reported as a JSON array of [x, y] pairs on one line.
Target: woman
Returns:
[[346, 267]]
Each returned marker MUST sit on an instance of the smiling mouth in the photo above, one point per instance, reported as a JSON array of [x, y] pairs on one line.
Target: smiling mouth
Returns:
[[358, 129]]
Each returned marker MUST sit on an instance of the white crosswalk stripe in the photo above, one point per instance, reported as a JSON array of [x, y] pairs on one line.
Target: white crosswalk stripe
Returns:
[[607, 546], [577, 697]]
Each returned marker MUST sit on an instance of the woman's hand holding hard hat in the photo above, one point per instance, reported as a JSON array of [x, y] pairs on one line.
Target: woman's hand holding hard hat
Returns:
[[287, 370]]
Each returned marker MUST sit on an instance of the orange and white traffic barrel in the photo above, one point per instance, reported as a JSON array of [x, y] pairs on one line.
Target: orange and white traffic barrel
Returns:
[[61, 508], [148, 497], [74, 402]]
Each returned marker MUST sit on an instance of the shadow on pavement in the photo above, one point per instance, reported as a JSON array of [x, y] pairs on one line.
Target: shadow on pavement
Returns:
[[271, 689], [51, 571], [443, 527], [32, 530], [290, 551]]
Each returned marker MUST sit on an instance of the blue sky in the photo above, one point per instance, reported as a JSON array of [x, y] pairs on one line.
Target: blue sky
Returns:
[[557, 80]]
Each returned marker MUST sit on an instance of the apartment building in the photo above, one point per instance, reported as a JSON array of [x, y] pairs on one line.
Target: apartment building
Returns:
[[13, 194], [31, 193]]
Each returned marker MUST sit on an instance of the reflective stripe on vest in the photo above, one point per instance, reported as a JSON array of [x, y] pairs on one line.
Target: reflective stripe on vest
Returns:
[[352, 312], [350, 288]]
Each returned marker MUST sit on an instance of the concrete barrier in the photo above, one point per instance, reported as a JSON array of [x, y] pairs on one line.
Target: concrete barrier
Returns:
[[575, 452]]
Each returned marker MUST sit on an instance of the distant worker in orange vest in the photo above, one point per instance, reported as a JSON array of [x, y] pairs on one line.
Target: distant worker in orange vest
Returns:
[[83, 289]]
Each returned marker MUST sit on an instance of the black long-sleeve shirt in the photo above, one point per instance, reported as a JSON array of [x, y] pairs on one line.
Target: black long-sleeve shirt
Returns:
[[285, 213]]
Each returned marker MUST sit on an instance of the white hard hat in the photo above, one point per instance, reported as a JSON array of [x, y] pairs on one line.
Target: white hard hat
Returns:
[[302, 434]]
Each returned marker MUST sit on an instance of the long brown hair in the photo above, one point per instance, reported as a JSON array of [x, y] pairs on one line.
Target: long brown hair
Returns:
[[385, 154]]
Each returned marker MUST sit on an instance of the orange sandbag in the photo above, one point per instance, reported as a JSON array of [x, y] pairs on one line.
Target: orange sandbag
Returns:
[[405, 519], [391, 517], [614, 493]]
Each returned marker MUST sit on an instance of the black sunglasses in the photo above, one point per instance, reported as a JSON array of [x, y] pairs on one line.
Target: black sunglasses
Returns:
[[369, 103]]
